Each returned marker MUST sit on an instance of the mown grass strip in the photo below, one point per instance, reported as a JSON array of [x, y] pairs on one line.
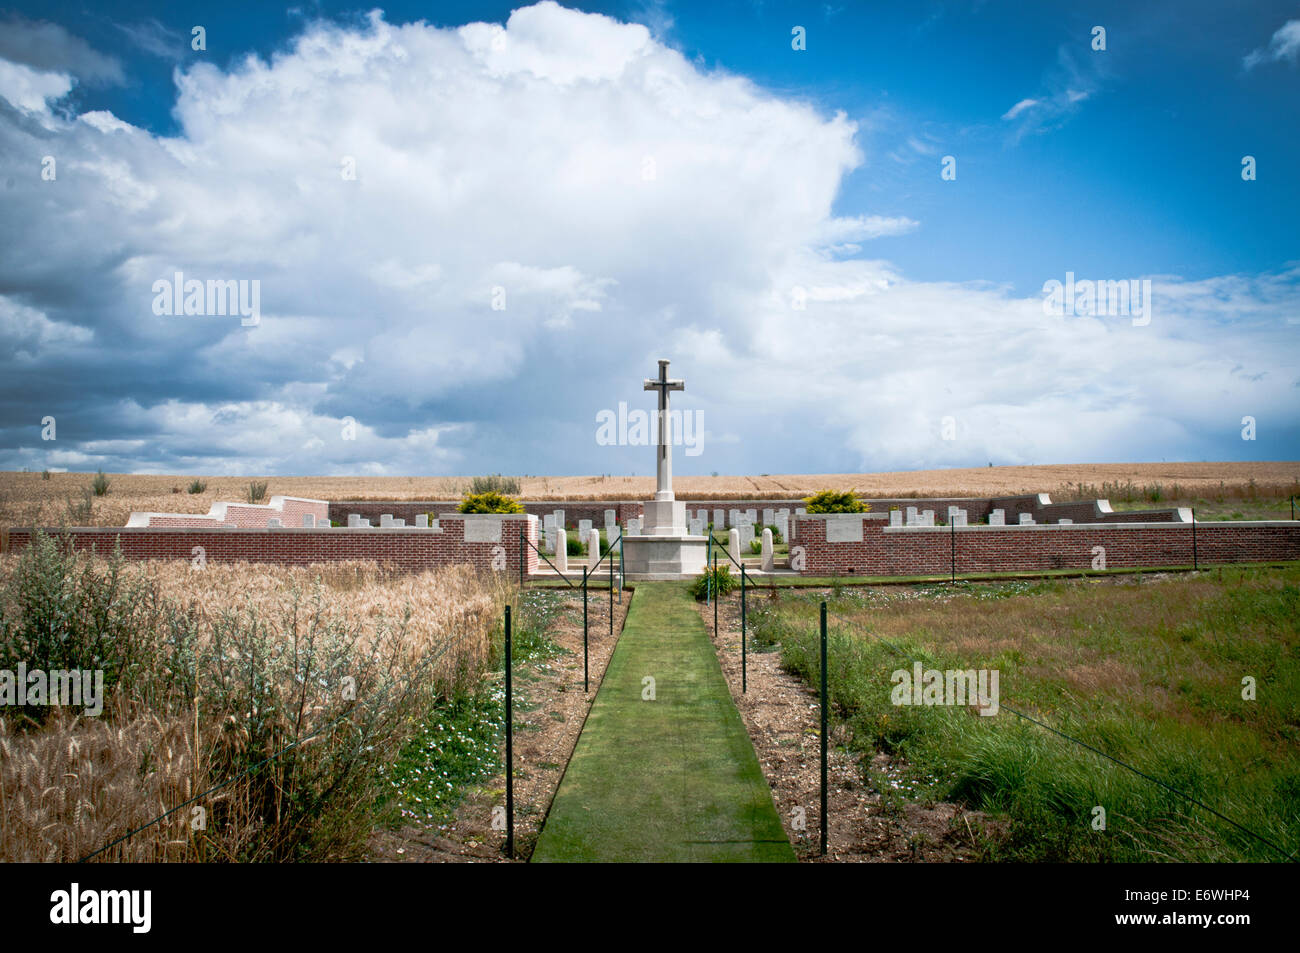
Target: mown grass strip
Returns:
[[670, 779]]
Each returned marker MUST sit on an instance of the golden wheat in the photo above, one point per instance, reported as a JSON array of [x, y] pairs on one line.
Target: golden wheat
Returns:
[[74, 784]]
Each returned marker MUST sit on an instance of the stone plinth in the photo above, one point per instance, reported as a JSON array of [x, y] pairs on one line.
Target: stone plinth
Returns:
[[664, 557], [664, 518]]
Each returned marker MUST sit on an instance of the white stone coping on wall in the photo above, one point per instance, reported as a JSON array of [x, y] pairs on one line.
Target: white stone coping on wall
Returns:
[[276, 503]]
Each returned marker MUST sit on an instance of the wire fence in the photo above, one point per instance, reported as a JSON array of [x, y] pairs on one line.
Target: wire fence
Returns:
[[854, 628], [1191, 799]]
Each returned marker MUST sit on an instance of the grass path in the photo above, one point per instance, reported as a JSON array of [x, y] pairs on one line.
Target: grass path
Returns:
[[673, 779]]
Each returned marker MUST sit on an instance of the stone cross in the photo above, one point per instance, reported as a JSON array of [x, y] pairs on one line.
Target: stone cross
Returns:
[[664, 467]]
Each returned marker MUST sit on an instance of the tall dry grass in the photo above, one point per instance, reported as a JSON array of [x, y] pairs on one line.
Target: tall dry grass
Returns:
[[299, 683]]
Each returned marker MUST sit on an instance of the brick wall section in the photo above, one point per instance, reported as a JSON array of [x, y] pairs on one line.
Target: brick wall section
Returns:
[[412, 549], [901, 551], [289, 510], [179, 520], [977, 509]]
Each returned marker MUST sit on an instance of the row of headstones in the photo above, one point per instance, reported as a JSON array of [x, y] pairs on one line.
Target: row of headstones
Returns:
[[738, 544], [745, 521], [956, 517], [557, 541], [386, 521], [553, 526]]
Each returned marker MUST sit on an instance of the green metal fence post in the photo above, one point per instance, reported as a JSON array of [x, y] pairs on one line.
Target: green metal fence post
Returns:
[[825, 732], [585, 570], [510, 745], [744, 638]]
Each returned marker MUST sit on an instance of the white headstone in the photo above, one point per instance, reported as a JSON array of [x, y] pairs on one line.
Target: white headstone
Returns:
[[895, 517], [561, 550], [697, 527], [959, 518], [548, 520], [1026, 519], [593, 549], [272, 523], [612, 533], [353, 520], [558, 517], [733, 517], [783, 525], [422, 521], [769, 563], [364, 523], [634, 527], [927, 517], [913, 516], [753, 515], [400, 522], [611, 518], [733, 544], [1066, 522], [309, 520], [769, 517], [385, 519], [998, 518], [584, 528], [719, 519]]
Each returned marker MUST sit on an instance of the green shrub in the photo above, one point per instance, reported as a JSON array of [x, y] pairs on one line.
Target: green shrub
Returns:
[[494, 483], [720, 579], [100, 484], [832, 501], [755, 547], [575, 546], [256, 491], [65, 612], [489, 501], [81, 512], [45, 474], [197, 486]]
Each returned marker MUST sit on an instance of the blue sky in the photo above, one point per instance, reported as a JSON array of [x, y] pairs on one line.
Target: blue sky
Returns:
[[813, 175]]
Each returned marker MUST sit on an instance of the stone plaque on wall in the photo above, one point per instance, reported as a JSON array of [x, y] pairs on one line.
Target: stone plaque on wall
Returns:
[[483, 531], [844, 528]]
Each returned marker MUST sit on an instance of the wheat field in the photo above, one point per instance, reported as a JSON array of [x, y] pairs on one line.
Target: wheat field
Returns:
[[30, 499], [74, 784]]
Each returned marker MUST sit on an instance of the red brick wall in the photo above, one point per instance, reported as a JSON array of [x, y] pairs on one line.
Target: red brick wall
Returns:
[[176, 519], [411, 549], [900, 551]]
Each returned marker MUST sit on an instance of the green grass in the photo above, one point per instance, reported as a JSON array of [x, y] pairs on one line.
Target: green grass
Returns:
[[1210, 510], [673, 779], [1149, 672]]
